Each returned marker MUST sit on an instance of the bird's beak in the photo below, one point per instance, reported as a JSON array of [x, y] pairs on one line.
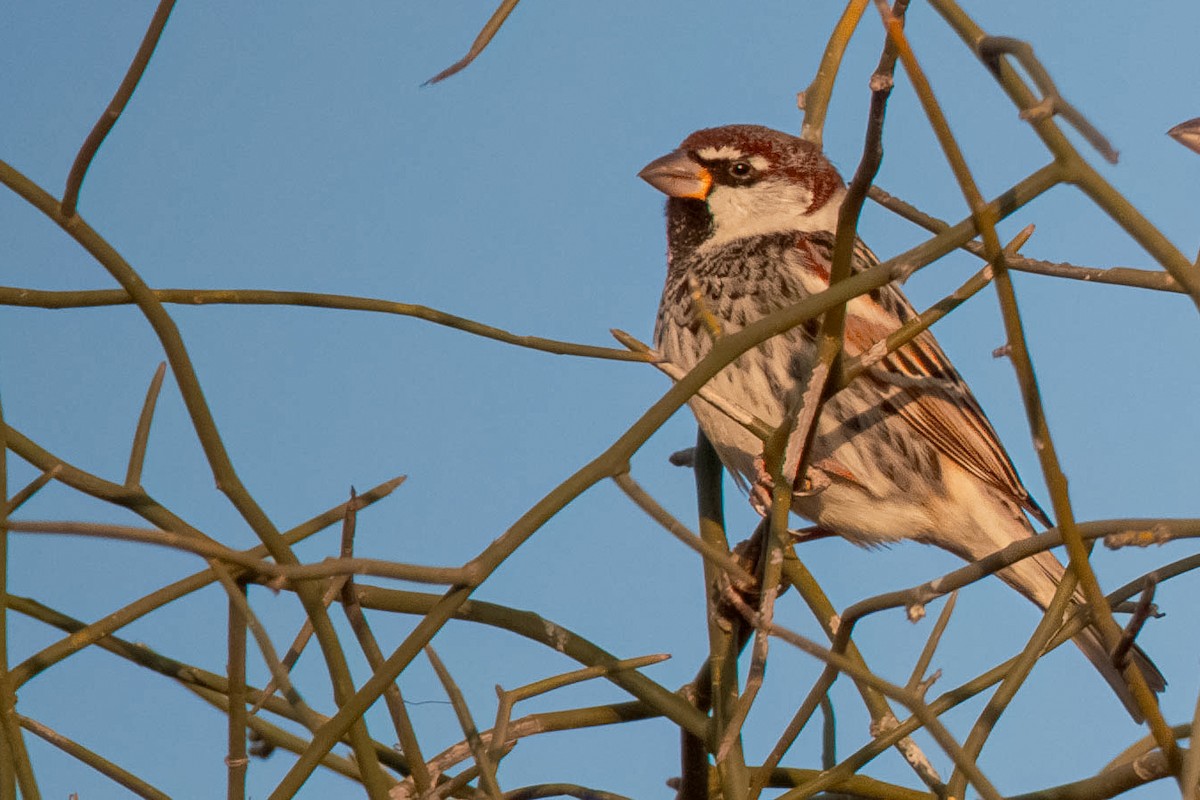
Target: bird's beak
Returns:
[[678, 175]]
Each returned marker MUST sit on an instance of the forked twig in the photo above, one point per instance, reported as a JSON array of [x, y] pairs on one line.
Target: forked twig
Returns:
[[508, 699], [990, 48], [1117, 276], [28, 490]]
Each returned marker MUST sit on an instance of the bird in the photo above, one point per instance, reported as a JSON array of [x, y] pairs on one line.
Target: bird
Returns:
[[902, 452]]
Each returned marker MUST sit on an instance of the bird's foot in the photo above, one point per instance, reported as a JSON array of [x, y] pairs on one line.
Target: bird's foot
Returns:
[[816, 480]]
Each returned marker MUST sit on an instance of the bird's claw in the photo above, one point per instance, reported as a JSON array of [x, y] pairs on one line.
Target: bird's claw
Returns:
[[815, 481]]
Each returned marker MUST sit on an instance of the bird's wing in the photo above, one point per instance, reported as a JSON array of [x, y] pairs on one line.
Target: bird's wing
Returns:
[[927, 392]]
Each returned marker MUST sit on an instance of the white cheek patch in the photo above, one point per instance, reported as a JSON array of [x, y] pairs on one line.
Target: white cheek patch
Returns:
[[764, 208]]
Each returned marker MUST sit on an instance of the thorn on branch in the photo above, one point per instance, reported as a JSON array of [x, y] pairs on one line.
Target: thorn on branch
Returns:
[[1187, 134]]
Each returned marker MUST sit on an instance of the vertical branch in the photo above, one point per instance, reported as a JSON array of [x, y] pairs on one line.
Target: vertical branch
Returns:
[[1189, 773], [237, 761], [724, 639], [405, 733], [8, 784], [815, 99], [830, 337], [15, 767], [109, 118]]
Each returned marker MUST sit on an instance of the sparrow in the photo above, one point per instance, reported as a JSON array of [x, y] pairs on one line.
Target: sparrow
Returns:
[[902, 452]]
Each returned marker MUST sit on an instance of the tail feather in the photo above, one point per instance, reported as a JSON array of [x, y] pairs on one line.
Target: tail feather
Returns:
[[1092, 645], [1037, 578]]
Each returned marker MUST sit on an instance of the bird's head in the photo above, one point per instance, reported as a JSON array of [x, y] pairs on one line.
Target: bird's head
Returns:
[[738, 181]]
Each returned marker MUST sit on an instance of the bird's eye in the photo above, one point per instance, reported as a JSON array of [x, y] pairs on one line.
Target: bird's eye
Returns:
[[741, 169]]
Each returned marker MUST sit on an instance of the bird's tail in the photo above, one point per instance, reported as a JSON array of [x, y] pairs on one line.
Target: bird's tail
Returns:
[[1037, 578]]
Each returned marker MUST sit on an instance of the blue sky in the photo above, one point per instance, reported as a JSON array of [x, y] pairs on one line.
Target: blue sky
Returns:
[[295, 148]]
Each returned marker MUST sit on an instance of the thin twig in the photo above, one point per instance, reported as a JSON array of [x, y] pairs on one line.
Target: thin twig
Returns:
[[237, 762], [483, 759], [301, 640], [726, 638], [83, 755], [814, 100], [725, 405], [916, 681], [1116, 276], [1189, 773], [634, 491], [141, 436], [96, 298], [507, 699], [1143, 612], [29, 490], [828, 734], [490, 29], [406, 733], [561, 790], [292, 575], [109, 118], [16, 769]]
